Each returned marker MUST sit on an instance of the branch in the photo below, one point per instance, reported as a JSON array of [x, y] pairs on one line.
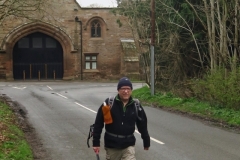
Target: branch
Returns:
[[205, 27], [189, 29]]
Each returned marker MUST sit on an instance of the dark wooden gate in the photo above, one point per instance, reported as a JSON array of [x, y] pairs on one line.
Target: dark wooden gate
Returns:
[[37, 56]]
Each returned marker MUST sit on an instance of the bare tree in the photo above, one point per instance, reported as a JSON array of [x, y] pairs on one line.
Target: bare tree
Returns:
[[173, 63], [138, 20], [19, 8], [223, 31]]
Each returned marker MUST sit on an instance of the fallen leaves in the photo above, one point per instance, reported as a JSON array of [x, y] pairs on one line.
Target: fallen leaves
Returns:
[[3, 128]]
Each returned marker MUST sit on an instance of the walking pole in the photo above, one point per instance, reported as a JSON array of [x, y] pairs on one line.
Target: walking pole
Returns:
[[97, 156], [97, 153]]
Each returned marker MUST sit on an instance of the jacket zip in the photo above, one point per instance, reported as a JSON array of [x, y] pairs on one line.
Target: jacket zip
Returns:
[[124, 110]]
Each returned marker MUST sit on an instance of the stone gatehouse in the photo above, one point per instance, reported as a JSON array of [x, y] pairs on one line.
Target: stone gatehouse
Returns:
[[67, 42]]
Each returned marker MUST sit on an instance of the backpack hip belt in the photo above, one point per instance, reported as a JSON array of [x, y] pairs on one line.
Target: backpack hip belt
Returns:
[[119, 136]]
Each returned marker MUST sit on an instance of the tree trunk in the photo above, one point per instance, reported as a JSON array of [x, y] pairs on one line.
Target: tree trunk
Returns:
[[234, 64], [209, 34]]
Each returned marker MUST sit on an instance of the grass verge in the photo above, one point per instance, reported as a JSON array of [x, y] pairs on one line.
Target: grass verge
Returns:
[[192, 106], [13, 145]]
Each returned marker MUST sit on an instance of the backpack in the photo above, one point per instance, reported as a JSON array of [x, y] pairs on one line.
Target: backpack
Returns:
[[136, 104], [110, 103], [90, 134]]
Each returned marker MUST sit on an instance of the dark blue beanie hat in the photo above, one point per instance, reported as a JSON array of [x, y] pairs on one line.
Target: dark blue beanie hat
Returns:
[[124, 81]]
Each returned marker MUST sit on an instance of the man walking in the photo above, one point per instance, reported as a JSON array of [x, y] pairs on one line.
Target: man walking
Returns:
[[119, 140]]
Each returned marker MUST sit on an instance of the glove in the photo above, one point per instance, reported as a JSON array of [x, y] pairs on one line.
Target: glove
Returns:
[[96, 149]]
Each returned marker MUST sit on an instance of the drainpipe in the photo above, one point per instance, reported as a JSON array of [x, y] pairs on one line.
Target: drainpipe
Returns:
[[80, 22]]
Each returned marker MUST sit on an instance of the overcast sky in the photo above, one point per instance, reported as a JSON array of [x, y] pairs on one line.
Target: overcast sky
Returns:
[[102, 3]]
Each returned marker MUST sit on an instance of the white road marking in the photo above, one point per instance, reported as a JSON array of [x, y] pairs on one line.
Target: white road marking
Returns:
[[61, 96], [86, 107], [19, 88], [50, 88], [153, 139]]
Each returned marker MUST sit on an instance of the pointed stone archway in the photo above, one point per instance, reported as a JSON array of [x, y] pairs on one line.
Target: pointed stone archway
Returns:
[[37, 56], [26, 29]]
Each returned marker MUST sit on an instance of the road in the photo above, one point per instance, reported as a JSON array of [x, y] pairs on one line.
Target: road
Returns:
[[61, 112]]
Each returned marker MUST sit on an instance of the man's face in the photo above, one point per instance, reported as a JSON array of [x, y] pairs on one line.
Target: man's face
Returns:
[[125, 92]]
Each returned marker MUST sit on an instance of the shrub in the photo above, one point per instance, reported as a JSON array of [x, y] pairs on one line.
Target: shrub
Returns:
[[219, 88]]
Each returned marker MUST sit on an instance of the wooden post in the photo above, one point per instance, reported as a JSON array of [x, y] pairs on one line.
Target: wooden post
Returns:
[[45, 71], [30, 70], [24, 75], [39, 75], [54, 74]]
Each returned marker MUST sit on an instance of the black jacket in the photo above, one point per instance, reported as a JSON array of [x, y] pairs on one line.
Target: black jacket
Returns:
[[123, 124]]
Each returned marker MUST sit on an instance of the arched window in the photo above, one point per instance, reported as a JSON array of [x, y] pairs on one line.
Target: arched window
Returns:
[[95, 29]]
